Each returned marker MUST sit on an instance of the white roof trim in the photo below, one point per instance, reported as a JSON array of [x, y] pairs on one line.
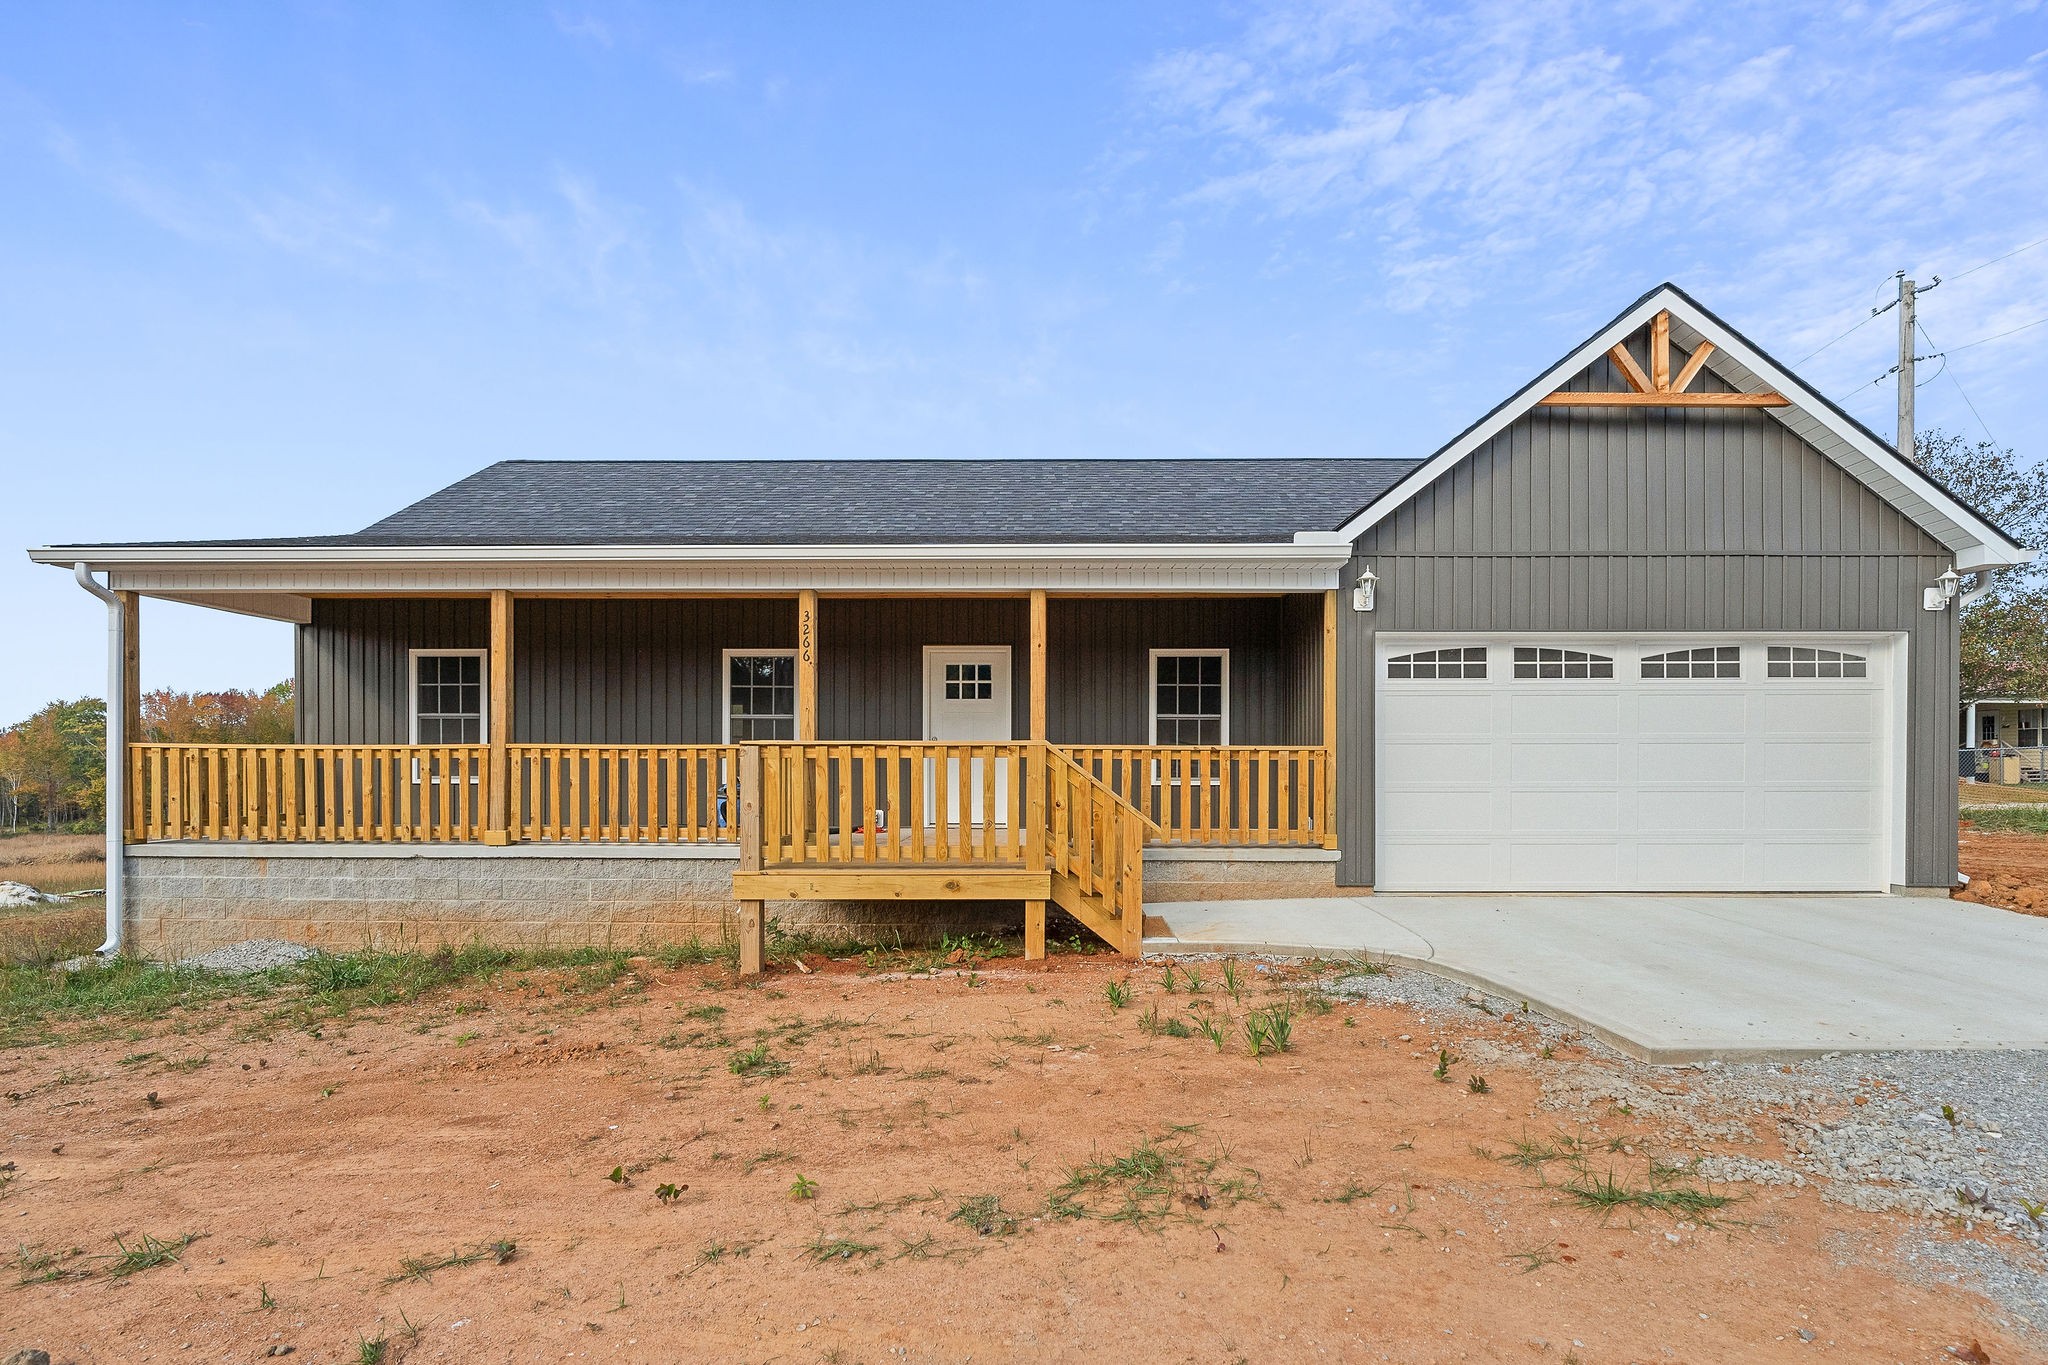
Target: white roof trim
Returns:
[[1976, 543], [238, 573]]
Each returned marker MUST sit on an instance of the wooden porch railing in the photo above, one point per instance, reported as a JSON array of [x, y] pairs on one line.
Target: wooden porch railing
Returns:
[[641, 793], [363, 793], [832, 804], [1239, 794], [1095, 849]]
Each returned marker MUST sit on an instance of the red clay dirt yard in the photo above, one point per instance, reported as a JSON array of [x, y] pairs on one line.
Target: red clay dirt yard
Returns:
[[904, 1158]]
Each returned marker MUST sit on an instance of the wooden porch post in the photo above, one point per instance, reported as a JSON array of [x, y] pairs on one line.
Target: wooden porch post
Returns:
[[1329, 737], [498, 809], [1038, 664], [753, 925], [807, 666], [131, 710]]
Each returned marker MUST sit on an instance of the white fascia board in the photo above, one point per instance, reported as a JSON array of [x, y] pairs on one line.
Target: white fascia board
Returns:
[[934, 568], [1979, 545]]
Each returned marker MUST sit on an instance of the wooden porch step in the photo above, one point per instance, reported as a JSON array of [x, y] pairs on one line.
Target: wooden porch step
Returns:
[[995, 883]]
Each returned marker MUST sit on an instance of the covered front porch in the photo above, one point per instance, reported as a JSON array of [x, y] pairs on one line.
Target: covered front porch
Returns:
[[1024, 746]]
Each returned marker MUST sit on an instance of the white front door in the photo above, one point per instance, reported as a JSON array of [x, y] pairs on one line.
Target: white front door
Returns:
[[1684, 763], [966, 701]]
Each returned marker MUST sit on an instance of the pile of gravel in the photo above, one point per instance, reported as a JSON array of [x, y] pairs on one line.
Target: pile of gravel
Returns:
[[250, 956]]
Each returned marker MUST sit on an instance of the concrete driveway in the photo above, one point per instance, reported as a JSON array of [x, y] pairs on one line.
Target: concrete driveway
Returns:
[[1685, 978]]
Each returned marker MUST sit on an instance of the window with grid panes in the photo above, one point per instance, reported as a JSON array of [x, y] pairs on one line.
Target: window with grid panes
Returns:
[[970, 682], [1466, 662], [1538, 661], [760, 697], [1798, 661], [1708, 661], [448, 699], [1189, 694]]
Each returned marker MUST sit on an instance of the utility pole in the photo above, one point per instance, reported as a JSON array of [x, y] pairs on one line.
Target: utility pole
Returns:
[[1908, 291]]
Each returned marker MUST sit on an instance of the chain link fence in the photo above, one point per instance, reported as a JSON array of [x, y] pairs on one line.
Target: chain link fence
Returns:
[[2004, 765]]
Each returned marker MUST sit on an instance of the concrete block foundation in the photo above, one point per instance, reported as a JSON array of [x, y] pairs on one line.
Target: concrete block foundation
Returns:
[[189, 898]]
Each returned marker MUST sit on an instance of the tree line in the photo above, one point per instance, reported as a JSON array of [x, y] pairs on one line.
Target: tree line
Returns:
[[2004, 645], [53, 765]]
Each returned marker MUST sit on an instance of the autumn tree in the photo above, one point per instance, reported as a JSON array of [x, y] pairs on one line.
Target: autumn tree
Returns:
[[53, 763], [2004, 646], [231, 717]]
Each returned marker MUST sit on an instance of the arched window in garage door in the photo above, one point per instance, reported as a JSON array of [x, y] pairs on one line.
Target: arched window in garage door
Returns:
[[1540, 661], [1797, 661], [1468, 662], [1708, 661]]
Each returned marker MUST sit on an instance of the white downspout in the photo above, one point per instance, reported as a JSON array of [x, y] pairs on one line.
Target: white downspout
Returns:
[[117, 748]]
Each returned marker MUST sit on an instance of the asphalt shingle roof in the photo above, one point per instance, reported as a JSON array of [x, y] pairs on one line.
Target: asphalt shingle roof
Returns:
[[845, 502]]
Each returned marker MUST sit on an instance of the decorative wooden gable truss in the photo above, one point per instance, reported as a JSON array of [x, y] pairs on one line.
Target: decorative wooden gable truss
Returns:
[[1658, 388]]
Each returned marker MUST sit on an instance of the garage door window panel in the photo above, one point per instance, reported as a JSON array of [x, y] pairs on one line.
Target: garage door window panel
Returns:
[[1801, 661], [1467, 662], [1710, 661], [1541, 661]]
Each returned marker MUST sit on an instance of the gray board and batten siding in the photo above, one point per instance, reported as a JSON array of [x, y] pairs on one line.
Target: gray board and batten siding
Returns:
[[624, 671], [1665, 520]]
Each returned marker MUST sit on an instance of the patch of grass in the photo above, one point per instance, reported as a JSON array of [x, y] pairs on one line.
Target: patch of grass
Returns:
[[824, 1250], [147, 1254], [372, 1350], [1167, 1027], [1534, 1260], [1232, 985], [1663, 1192], [984, 1213], [1155, 1180], [1351, 1193], [695, 952], [1269, 1030], [1211, 1029], [1117, 993], [2010, 820], [756, 1063], [421, 1268]]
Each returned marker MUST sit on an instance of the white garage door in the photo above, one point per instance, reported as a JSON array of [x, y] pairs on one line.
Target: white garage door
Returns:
[[1694, 763]]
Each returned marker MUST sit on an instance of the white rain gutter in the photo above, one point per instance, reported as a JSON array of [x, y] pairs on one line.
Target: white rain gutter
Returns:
[[117, 722]]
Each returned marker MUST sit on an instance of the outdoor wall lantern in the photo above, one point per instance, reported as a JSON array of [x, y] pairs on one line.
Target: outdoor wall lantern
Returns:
[[1362, 591], [1944, 590]]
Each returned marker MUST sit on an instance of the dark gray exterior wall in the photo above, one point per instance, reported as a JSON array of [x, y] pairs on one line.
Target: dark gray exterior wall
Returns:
[[871, 659], [621, 671], [607, 671], [1661, 520], [351, 669], [1098, 652], [618, 671]]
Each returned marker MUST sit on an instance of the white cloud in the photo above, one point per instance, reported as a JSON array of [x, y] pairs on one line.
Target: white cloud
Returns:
[[1767, 155]]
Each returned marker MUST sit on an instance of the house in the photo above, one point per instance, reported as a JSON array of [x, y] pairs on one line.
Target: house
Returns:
[[1666, 619], [2002, 740]]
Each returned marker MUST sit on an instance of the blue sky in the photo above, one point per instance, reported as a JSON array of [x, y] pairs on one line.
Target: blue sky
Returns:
[[282, 268]]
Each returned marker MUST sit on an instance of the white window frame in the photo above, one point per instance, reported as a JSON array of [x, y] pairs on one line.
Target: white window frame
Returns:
[[412, 689], [725, 658], [1152, 658]]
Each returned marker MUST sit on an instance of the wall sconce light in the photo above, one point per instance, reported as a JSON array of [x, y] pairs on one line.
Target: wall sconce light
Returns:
[[1943, 592], [1362, 591]]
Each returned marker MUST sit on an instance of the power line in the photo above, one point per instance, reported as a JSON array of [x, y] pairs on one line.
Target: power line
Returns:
[[1872, 314], [1949, 370], [1996, 259], [1996, 335]]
